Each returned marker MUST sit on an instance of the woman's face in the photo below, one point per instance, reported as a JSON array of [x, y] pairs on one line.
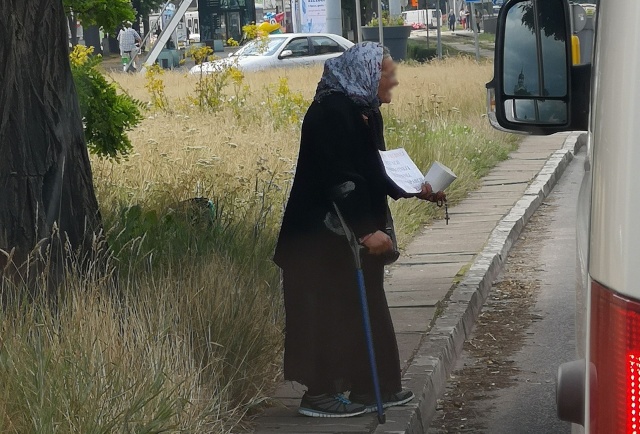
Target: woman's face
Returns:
[[388, 80]]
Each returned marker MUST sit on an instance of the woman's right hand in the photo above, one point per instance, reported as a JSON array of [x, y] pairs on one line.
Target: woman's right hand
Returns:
[[378, 243]]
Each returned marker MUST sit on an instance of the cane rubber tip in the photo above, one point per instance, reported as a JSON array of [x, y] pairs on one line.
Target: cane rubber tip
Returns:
[[382, 419]]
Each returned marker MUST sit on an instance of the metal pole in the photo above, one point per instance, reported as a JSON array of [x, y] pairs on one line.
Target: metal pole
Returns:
[[475, 30], [284, 19], [294, 13], [380, 33], [428, 41], [439, 17], [359, 21]]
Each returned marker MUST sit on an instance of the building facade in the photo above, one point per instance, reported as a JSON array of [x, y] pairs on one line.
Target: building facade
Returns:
[[224, 19]]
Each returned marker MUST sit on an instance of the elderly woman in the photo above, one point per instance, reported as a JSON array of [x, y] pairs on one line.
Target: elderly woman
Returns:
[[325, 346]]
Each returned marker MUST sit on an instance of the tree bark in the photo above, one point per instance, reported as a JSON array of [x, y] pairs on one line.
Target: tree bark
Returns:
[[114, 46], [92, 39], [47, 199], [137, 7], [146, 25]]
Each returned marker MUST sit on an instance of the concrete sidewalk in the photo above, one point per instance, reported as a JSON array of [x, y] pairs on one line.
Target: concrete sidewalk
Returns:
[[420, 284]]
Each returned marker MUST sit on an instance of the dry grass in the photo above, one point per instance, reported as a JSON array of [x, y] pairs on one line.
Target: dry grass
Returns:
[[190, 337], [437, 113]]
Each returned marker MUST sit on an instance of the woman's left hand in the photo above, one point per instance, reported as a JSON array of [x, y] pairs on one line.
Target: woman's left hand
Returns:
[[428, 194]]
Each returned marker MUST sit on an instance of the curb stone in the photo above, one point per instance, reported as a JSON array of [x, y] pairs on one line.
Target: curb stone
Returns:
[[436, 356]]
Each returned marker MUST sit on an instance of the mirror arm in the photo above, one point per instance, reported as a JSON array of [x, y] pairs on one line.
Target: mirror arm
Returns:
[[580, 97]]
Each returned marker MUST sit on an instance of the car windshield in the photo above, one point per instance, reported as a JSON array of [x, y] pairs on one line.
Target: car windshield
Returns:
[[259, 47]]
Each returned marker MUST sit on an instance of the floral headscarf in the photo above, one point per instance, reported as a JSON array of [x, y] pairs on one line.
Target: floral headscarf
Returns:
[[356, 73]]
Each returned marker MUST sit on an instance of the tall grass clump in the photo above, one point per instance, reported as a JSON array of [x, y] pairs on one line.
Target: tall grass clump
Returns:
[[150, 354], [181, 331]]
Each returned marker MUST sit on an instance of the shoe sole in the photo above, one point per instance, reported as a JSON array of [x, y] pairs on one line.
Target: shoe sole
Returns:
[[374, 407], [316, 413]]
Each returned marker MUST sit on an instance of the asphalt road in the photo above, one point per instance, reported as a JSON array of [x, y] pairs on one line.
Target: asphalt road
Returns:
[[505, 380]]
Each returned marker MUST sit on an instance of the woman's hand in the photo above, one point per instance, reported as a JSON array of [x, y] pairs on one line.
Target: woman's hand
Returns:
[[428, 194], [378, 243]]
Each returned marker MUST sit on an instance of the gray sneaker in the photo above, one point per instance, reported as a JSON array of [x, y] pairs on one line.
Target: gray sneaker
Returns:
[[388, 399], [329, 406]]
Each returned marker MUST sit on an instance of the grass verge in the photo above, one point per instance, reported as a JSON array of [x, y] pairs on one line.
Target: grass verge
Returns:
[[185, 334]]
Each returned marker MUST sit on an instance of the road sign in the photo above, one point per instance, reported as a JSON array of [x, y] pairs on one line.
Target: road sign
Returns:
[[497, 2]]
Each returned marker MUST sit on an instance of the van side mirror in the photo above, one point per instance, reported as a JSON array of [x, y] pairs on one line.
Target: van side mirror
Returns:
[[286, 53], [535, 87]]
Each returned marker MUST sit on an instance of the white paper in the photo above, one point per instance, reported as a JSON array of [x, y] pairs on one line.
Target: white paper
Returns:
[[402, 170], [405, 174]]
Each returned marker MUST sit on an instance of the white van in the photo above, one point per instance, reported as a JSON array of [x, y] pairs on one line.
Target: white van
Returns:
[[415, 17], [541, 87]]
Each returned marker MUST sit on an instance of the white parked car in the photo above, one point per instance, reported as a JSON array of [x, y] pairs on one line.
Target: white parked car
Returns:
[[281, 51]]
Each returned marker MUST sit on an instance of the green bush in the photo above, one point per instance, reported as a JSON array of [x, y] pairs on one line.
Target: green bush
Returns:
[[420, 52], [106, 113]]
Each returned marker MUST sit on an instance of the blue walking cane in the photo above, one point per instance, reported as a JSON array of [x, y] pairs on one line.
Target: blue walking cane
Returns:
[[356, 249]]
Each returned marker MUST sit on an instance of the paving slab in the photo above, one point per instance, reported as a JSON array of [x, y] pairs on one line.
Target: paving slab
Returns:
[[440, 258], [412, 319], [412, 298], [407, 344]]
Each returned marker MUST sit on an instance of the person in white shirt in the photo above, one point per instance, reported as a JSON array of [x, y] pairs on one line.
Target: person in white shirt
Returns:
[[128, 38]]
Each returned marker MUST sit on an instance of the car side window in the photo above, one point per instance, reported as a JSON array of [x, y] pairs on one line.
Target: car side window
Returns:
[[299, 47], [325, 45]]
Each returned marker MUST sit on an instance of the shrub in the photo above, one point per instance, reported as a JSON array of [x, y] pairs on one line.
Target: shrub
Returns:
[[285, 105], [250, 32], [107, 114], [398, 21], [420, 52], [156, 88]]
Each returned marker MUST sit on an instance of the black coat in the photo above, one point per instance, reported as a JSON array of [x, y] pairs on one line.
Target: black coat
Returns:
[[324, 343], [338, 146]]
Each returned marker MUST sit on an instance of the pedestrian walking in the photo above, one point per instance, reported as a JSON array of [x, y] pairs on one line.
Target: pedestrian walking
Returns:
[[463, 18], [467, 15], [452, 20], [128, 38], [478, 19], [325, 345]]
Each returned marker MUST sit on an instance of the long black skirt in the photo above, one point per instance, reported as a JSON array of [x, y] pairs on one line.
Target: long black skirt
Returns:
[[325, 346]]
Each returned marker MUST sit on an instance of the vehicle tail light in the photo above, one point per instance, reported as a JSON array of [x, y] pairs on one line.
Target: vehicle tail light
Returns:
[[615, 354]]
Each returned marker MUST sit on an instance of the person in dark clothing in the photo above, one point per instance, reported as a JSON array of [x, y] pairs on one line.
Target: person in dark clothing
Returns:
[[325, 347], [452, 20]]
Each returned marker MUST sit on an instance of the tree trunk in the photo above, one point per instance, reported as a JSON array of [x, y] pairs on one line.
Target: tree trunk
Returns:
[[46, 188], [137, 7], [114, 46], [146, 25], [92, 39]]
